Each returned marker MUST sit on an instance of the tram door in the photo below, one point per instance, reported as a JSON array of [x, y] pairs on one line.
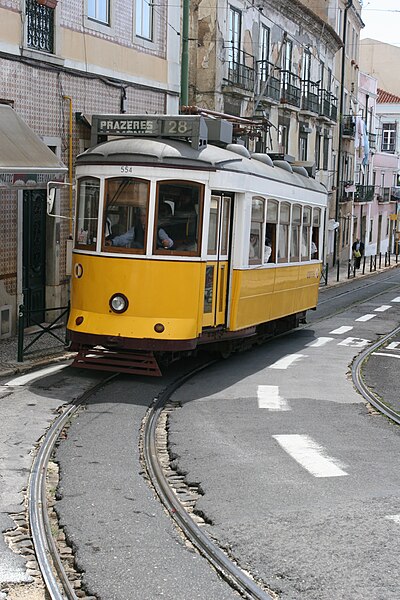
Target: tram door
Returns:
[[217, 268]]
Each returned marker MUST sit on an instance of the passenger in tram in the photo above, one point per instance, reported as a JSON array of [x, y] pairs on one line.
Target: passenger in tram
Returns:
[[134, 237], [267, 249]]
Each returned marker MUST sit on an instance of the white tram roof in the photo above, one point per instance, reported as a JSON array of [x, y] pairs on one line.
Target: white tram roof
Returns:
[[147, 151]]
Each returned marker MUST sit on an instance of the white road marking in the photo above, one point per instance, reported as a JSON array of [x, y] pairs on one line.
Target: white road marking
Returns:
[[341, 330], [321, 341], [286, 361], [24, 379], [354, 342], [310, 455], [269, 398], [393, 346], [386, 354], [366, 318], [396, 299], [383, 308], [395, 518]]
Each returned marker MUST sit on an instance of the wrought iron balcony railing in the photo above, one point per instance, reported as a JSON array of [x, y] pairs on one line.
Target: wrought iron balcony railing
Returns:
[[346, 191], [39, 26], [328, 105], [269, 78], [372, 140], [291, 88], [348, 126], [395, 194], [241, 72], [310, 96], [364, 193]]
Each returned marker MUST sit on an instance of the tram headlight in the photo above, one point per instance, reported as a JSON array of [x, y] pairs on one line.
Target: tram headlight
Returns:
[[119, 303]]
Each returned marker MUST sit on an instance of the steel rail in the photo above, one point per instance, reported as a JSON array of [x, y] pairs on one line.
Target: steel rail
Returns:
[[47, 555], [360, 384], [218, 559]]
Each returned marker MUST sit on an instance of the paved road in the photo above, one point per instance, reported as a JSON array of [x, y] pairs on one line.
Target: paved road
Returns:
[[300, 480]]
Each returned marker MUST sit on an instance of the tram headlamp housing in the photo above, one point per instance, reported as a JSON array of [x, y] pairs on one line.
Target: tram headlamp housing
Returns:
[[118, 303]]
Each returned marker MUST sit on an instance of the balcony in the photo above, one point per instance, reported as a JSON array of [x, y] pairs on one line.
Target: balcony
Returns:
[[269, 78], [241, 72], [348, 126], [395, 194], [328, 105], [388, 194], [346, 191], [372, 141], [364, 193], [310, 96], [291, 89]]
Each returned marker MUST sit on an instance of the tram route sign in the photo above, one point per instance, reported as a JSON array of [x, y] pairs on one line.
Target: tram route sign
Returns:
[[191, 127]]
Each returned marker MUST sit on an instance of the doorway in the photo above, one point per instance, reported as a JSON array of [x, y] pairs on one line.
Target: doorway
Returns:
[[217, 267], [34, 256]]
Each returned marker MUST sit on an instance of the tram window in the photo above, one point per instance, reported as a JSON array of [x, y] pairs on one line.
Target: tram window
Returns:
[[87, 213], [177, 228], [256, 242], [315, 232], [295, 233], [283, 231], [213, 226], [126, 210], [270, 231], [305, 235]]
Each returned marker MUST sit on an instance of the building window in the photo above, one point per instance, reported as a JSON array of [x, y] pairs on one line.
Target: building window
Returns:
[[287, 56], [235, 26], [303, 147], [264, 52], [283, 137], [144, 19], [99, 10], [339, 22], [325, 161], [388, 137], [39, 26], [371, 229]]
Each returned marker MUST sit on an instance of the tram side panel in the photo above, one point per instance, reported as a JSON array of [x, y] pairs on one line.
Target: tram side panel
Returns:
[[261, 295]]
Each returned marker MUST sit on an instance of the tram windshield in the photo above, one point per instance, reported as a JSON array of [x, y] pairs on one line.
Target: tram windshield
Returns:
[[178, 213], [126, 210]]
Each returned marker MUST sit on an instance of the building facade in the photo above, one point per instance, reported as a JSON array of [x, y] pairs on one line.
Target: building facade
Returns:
[[59, 65]]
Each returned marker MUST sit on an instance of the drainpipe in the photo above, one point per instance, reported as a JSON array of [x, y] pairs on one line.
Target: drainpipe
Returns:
[[70, 162], [340, 166], [185, 54]]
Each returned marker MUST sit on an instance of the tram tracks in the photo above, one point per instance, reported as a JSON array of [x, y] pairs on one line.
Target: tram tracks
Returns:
[[362, 387], [178, 505]]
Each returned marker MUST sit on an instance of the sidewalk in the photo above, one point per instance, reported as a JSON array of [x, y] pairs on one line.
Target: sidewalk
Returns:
[[47, 350]]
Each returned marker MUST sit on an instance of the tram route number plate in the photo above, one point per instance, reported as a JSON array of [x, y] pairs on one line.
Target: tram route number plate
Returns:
[[193, 127]]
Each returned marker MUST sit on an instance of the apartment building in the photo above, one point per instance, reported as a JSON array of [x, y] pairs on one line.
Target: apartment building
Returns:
[[61, 62]]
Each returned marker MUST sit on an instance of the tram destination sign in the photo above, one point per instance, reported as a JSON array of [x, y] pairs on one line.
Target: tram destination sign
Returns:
[[192, 127]]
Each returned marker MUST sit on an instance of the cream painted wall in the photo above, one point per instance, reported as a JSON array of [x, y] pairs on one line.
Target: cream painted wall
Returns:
[[105, 57], [10, 30], [380, 60]]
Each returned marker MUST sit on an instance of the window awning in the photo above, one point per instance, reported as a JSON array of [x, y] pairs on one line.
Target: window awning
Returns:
[[25, 161]]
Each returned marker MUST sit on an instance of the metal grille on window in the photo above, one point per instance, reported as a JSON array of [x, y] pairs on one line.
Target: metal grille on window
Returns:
[[39, 26]]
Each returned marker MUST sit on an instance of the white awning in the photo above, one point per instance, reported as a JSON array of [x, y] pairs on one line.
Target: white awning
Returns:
[[25, 161]]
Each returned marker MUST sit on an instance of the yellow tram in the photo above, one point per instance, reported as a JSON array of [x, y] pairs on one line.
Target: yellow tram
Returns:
[[182, 240]]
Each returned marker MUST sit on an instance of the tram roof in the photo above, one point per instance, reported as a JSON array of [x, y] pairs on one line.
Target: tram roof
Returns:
[[180, 154]]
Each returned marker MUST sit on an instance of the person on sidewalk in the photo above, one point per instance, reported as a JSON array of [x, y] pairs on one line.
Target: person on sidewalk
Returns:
[[358, 252]]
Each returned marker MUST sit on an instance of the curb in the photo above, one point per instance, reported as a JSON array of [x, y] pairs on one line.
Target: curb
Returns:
[[32, 365]]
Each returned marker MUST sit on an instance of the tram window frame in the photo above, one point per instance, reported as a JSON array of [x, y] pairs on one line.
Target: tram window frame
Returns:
[[316, 225], [130, 212], [174, 194], [283, 233], [272, 216], [295, 228], [257, 230], [92, 220], [306, 233]]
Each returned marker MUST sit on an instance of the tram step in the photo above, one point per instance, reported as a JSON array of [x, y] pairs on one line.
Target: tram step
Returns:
[[136, 363]]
